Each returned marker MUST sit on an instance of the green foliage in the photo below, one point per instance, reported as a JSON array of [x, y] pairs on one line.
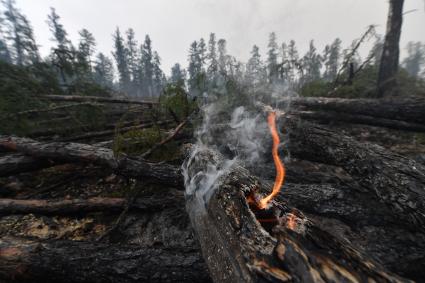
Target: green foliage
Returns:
[[175, 99]]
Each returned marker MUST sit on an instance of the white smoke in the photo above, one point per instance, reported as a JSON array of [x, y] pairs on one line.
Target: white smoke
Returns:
[[227, 137]]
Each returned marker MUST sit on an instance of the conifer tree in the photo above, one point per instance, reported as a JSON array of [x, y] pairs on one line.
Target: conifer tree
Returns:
[[222, 57], [19, 32], [63, 54], [255, 72], [177, 75], [158, 79], [415, 59], [272, 53], [121, 58], [312, 64], [86, 49], [294, 64], [212, 58], [104, 71], [332, 60], [146, 67]]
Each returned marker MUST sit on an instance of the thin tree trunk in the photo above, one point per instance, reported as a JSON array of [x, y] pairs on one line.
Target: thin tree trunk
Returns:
[[387, 82]]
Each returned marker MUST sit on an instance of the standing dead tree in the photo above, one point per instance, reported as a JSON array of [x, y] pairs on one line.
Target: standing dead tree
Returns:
[[387, 82]]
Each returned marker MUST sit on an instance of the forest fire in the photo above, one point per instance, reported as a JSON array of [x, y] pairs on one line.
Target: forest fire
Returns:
[[280, 168]]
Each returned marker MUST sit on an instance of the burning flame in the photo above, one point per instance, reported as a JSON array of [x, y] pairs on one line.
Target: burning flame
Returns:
[[280, 169]]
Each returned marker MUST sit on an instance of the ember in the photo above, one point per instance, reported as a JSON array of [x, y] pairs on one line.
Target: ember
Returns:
[[280, 169]]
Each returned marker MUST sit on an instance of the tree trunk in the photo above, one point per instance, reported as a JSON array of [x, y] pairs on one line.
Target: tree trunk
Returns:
[[330, 117], [78, 98], [81, 262], [393, 179], [387, 82], [409, 109], [82, 153], [288, 247], [82, 206]]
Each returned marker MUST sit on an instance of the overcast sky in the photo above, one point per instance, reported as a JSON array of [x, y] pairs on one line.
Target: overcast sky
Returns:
[[174, 24]]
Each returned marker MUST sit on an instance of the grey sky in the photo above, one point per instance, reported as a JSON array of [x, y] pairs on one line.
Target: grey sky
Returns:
[[174, 24]]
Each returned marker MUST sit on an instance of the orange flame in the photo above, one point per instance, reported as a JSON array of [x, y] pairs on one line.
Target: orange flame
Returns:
[[280, 169]]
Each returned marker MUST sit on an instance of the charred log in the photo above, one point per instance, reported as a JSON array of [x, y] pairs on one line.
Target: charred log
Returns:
[[238, 249], [392, 179], [69, 261]]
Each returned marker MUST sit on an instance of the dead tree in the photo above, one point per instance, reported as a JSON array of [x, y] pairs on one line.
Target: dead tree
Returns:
[[79, 98], [287, 247], [388, 68]]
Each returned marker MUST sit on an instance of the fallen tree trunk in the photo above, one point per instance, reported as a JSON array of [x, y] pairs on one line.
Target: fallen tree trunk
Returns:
[[17, 163], [392, 179], [329, 117], [71, 261], [82, 153], [78, 98], [237, 248], [82, 206], [403, 109]]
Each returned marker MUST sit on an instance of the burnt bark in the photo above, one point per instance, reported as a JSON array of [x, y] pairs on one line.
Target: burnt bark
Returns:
[[387, 83], [392, 179], [82, 153], [70, 261], [237, 248]]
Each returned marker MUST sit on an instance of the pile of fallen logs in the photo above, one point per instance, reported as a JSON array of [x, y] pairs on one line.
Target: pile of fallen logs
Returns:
[[349, 212]]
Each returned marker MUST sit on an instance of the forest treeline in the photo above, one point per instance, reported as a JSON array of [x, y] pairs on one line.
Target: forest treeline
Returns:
[[134, 68]]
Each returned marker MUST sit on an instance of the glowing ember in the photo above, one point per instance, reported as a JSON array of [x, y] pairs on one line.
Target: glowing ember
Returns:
[[280, 169]]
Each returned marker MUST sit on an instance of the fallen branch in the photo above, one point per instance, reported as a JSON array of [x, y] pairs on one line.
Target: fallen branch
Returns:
[[77, 262]]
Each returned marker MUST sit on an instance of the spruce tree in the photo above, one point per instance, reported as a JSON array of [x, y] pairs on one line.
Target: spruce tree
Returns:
[[86, 49], [415, 59], [294, 64], [19, 32], [146, 66], [332, 60], [104, 71], [133, 62], [212, 68], [63, 54], [272, 53], [121, 58], [312, 64], [177, 75], [222, 57], [158, 79], [255, 72]]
